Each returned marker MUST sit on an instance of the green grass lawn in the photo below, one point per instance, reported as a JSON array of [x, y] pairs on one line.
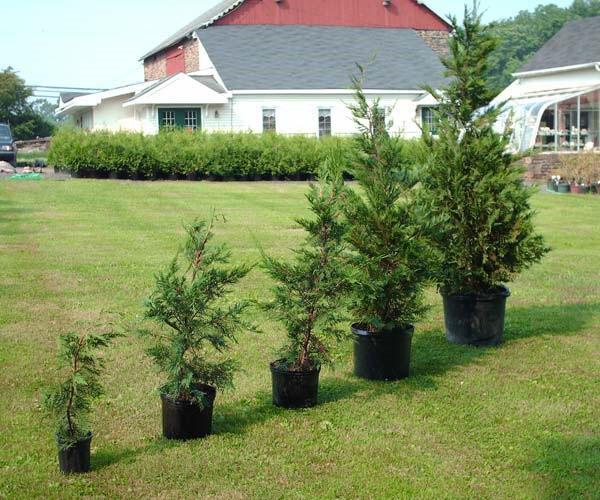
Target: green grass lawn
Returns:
[[518, 421]]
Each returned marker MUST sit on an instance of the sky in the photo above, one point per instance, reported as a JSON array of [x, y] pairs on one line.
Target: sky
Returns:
[[97, 44]]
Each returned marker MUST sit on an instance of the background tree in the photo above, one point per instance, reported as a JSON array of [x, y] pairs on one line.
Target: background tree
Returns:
[[189, 301], [472, 194], [309, 290], [17, 110], [521, 36]]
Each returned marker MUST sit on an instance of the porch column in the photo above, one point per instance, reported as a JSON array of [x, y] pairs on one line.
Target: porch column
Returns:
[[578, 122]]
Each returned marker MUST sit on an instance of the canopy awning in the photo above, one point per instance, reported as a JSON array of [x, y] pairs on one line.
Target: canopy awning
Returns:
[[180, 90], [524, 113], [89, 101]]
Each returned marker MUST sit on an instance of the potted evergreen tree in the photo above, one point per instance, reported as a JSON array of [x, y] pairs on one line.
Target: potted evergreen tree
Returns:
[[70, 402], [473, 196], [188, 302], [390, 266], [308, 295]]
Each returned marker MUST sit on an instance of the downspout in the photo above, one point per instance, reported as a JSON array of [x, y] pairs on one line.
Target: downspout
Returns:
[[231, 113]]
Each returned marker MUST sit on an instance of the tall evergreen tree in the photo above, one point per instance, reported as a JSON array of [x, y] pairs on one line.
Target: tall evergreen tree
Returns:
[[390, 263], [477, 208]]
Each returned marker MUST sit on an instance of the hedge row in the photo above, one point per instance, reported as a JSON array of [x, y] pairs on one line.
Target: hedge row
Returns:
[[180, 154]]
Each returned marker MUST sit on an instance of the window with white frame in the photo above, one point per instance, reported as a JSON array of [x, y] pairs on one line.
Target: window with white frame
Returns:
[[168, 119], [428, 120], [190, 120], [324, 122], [269, 120]]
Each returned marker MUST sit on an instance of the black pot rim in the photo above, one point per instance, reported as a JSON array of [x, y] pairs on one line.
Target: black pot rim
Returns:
[[359, 331], [209, 390], [502, 291], [276, 366], [88, 437]]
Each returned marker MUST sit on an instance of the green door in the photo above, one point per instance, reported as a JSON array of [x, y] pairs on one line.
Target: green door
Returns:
[[187, 118]]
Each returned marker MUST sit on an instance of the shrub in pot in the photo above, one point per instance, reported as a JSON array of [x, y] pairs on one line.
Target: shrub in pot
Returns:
[[584, 170], [189, 303], [308, 292], [390, 265], [70, 402], [476, 205]]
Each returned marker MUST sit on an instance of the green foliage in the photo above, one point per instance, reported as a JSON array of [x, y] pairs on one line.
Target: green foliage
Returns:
[[15, 109], [473, 199], [177, 152], [70, 402], [523, 35], [391, 261], [309, 290], [188, 300]]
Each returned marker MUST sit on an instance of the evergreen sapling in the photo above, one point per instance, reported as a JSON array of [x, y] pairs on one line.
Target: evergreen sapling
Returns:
[[309, 290], [189, 302], [70, 402]]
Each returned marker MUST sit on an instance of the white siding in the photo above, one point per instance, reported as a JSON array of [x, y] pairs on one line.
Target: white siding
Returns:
[[111, 115], [296, 114]]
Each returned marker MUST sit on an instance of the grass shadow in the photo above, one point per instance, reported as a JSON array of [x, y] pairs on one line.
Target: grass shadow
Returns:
[[237, 416], [570, 467], [433, 355], [109, 456]]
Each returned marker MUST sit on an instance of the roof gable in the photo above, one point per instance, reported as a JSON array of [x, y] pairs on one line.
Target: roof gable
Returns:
[[390, 16], [181, 89], [578, 42], [318, 57]]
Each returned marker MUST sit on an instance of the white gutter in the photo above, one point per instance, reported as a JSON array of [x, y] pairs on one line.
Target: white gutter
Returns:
[[561, 69], [325, 92]]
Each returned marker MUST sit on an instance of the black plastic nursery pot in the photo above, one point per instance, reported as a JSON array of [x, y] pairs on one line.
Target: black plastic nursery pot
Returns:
[[76, 458], [382, 355], [475, 319], [294, 389], [184, 420]]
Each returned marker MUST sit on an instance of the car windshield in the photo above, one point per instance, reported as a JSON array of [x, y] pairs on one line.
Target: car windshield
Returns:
[[5, 134]]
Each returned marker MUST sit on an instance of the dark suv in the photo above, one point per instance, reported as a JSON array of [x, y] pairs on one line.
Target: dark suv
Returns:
[[8, 148]]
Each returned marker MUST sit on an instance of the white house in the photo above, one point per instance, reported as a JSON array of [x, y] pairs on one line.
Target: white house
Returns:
[[554, 104], [280, 65]]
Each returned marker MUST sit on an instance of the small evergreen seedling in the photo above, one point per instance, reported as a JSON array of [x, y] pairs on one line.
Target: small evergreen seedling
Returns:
[[473, 197], [70, 402], [391, 257], [189, 302], [309, 290]]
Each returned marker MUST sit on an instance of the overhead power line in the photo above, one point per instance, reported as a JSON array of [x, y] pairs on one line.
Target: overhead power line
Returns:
[[65, 88]]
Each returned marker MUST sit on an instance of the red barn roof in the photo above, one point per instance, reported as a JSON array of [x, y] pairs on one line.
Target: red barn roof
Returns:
[[407, 14]]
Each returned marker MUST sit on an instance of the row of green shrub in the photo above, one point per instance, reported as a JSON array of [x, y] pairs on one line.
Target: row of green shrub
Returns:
[[181, 154]]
